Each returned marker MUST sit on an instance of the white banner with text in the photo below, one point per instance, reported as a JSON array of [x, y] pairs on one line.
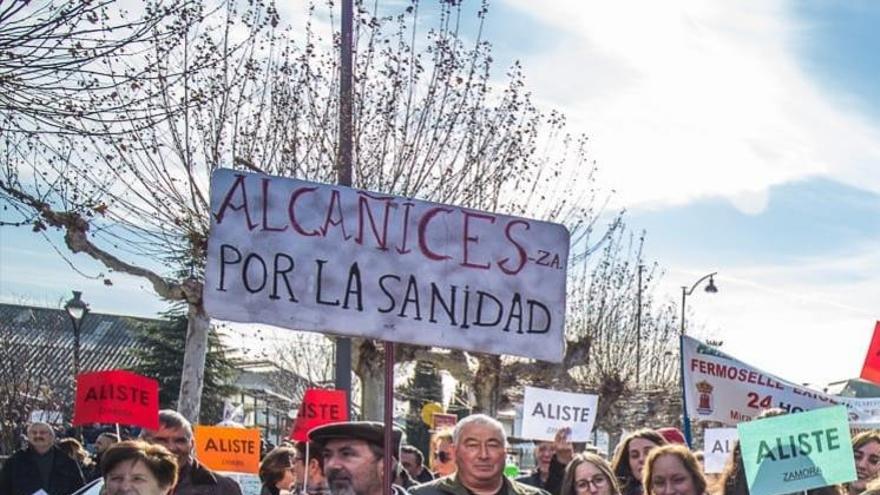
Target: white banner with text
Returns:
[[338, 260], [721, 388]]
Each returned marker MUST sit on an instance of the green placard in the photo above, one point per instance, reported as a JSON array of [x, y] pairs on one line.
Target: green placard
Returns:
[[795, 452]]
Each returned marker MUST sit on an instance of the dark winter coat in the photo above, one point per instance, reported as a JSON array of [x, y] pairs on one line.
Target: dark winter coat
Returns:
[[21, 476]]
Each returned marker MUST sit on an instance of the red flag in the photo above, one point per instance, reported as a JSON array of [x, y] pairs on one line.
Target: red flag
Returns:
[[871, 368], [319, 407], [117, 397]]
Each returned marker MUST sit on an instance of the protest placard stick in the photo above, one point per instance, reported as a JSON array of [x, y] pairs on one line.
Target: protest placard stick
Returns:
[[686, 421], [343, 344], [389, 414], [118, 435], [305, 485]]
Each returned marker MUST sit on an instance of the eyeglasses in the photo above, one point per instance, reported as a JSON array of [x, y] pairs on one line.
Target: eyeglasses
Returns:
[[598, 483]]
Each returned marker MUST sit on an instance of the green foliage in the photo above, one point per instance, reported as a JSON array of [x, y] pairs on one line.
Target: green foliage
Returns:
[[161, 357]]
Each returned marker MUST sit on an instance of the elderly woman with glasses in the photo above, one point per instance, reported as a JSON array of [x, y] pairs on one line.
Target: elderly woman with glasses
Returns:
[[589, 474]]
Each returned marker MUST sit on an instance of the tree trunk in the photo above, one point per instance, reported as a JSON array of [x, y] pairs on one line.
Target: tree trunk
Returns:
[[486, 385], [369, 366], [193, 378], [373, 393]]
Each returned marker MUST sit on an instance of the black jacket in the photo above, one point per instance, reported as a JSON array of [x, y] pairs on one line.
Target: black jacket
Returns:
[[553, 485], [199, 480], [21, 476]]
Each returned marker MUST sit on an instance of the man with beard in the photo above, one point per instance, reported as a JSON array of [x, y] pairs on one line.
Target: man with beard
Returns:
[[102, 443], [354, 456], [480, 451]]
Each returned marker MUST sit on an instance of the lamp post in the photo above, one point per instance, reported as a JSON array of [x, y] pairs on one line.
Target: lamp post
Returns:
[[77, 311], [685, 292]]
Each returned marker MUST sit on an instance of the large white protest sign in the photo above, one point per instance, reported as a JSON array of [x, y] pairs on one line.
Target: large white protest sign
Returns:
[[721, 388], [718, 444], [333, 259], [547, 411]]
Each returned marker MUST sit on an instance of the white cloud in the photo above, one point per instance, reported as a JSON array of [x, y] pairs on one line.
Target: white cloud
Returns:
[[690, 99], [809, 320]]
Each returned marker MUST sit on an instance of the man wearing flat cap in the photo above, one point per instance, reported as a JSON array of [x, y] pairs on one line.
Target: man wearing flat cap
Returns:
[[354, 456]]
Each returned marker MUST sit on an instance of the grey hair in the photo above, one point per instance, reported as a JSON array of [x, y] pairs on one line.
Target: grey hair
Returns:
[[480, 419], [41, 423], [170, 418]]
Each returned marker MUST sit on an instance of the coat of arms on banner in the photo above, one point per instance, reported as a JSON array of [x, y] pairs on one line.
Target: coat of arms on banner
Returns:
[[705, 402]]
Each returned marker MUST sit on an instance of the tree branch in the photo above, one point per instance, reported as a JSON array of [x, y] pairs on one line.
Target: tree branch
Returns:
[[76, 229]]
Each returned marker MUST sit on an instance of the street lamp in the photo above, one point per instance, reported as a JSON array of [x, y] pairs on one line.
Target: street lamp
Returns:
[[710, 288], [77, 310]]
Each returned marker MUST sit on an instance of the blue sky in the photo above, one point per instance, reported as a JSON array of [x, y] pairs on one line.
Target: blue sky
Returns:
[[743, 136]]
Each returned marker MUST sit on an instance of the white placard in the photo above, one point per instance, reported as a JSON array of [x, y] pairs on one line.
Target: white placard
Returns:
[[719, 387], [546, 411], [50, 417], [718, 444], [333, 259]]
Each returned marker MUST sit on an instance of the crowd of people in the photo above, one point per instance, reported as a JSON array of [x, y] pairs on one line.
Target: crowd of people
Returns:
[[349, 458]]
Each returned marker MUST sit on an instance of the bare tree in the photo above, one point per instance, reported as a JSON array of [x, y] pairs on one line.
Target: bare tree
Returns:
[[228, 85], [601, 335], [60, 64], [127, 186], [308, 355]]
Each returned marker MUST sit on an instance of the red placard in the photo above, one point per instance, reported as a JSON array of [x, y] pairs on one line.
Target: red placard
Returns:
[[319, 407], [871, 368], [117, 397]]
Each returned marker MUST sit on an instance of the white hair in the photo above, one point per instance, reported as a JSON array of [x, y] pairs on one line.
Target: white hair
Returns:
[[41, 423], [480, 419]]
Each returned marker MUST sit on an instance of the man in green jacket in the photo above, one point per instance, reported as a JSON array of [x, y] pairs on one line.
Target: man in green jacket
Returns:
[[480, 449]]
